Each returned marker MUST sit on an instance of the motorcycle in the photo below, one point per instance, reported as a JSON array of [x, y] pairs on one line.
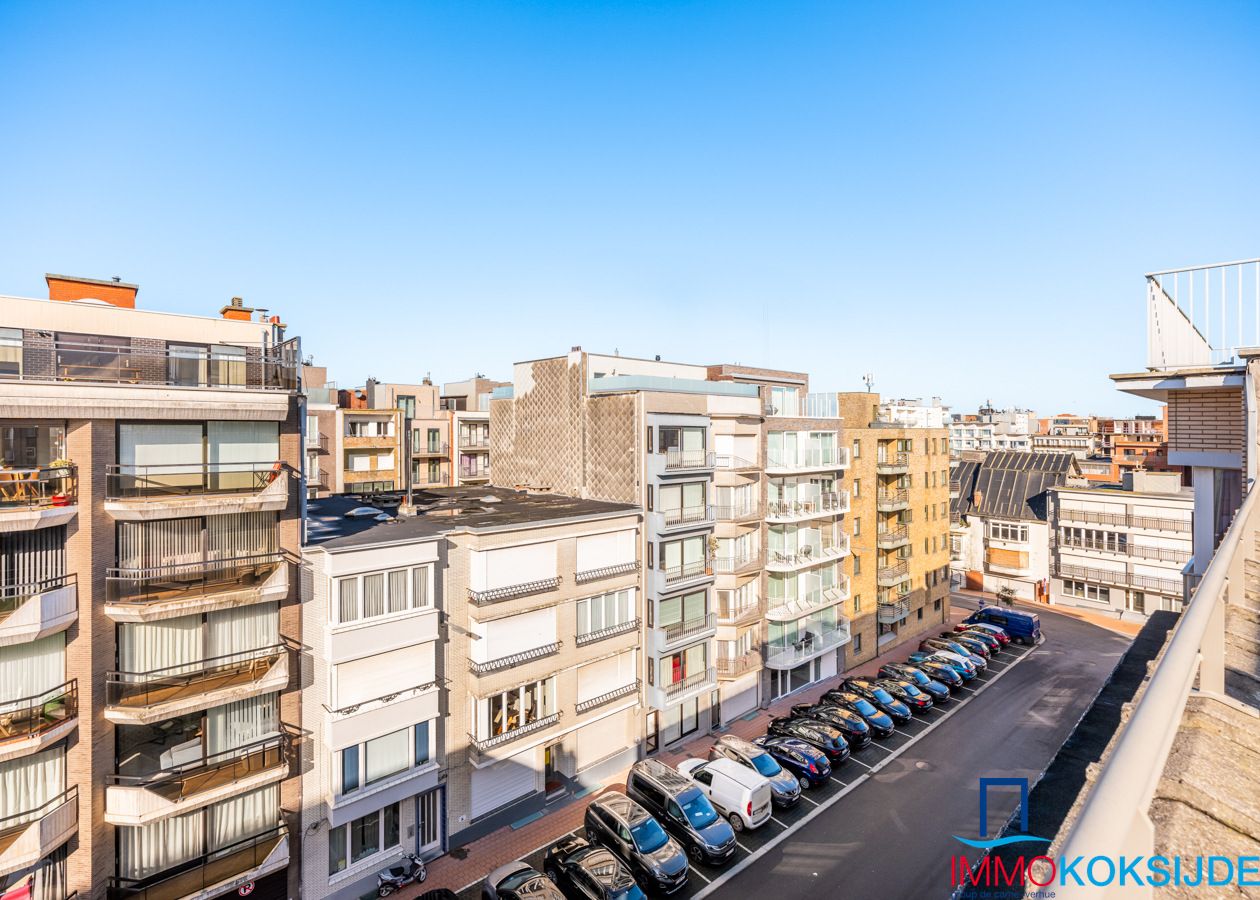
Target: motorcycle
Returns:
[[410, 870]]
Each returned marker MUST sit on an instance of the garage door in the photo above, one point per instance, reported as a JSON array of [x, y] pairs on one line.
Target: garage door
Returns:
[[600, 740], [504, 782], [738, 698]]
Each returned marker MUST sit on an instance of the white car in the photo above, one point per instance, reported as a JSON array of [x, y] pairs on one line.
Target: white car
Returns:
[[737, 792]]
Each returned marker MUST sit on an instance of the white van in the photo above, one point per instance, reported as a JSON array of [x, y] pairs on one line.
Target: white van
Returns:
[[735, 791]]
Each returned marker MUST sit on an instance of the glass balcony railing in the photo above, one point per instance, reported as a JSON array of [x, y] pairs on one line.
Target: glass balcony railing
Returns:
[[170, 480], [189, 581], [31, 717], [196, 875], [39, 487], [211, 770], [137, 690]]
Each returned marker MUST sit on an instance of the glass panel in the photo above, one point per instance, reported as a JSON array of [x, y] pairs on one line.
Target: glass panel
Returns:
[[365, 837], [347, 599], [373, 595], [350, 769], [386, 755], [337, 849], [398, 590]]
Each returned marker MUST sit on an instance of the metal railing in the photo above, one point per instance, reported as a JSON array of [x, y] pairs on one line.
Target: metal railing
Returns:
[[689, 628], [887, 499], [830, 502], [592, 637], [734, 666], [512, 591], [802, 605], [205, 871], [687, 571], [781, 656], [898, 460], [1150, 523], [886, 576], [837, 457], [737, 512], [25, 817], [733, 565], [688, 459], [39, 488], [624, 691], [139, 689], [382, 700], [687, 515], [182, 581], [1201, 315], [512, 734], [514, 659], [606, 572], [1142, 551], [30, 717], [241, 762], [892, 537], [474, 443], [12, 596], [1114, 818], [731, 462], [427, 449], [737, 615], [128, 482], [888, 613], [690, 683], [1121, 579]]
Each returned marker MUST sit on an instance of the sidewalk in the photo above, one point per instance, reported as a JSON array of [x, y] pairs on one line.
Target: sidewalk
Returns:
[[472, 862], [1102, 620]]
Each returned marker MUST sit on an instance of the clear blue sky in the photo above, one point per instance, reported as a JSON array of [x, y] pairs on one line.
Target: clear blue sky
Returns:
[[959, 199]]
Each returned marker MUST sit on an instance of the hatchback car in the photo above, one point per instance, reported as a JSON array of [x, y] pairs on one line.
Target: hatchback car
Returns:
[[519, 881], [883, 700], [940, 645], [960, 665], [907, 692], [990, 641], [855, 729], [586, 871], [938, 691], [999, 633], [938, 670], [880, 723], [808, 764], [784, 785], [972, 643], [629, 831], [815, 733]]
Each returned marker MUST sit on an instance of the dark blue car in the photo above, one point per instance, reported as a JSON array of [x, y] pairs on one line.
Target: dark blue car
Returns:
[[810, 766], [935, 689]]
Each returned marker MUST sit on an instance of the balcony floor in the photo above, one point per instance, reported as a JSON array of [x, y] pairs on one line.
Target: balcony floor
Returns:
[[226, 868]]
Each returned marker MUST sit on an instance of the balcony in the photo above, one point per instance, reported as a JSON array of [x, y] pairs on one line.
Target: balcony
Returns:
[[318, 442], [1146, 523], [803, 605], [616, 693], [892, 501], [471, 442], [891, 613], [687, 572], [603, 634], [33, 723], [744, 512], [807, 555], [686, 632], [38, 497], [481, 746], [812, 645], [738, 565], [689, 685], [732, 667], [489, 596], [1190, 314], [197, 783], [474, 474], [134, 493], [142, 698], [514, 659], [677, 461], [825, 505], [32, 611], [889, 576], [603, 572], [27, 837], [739, 615], [1139, 551], [684, 517], [1170, 586], [163, 592], [785, 463], [227, 870], [431, 450], [892, 463], [352, 441], [893, 538], [729, 462]]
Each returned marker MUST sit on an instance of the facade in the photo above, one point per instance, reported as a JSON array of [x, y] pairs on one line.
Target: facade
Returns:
[[322, 438], [369, 444], [992, 430], [149, 503], [915, 413], [1121, 548], [898, 572], [424, 444], [999, 507], [1067, 433], [468, 404]]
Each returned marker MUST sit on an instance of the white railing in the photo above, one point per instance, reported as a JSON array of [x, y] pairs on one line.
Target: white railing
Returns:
[[1201, 315], [1115, 818]]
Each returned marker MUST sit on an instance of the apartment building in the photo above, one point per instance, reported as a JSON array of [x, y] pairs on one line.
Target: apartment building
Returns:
[[915, 413], [424, 442], [1121, 548], [468, 403], [149, 511], [1067, 433], [324, 458], [369, 443], [991, 430], [999, 509], [898, 520]]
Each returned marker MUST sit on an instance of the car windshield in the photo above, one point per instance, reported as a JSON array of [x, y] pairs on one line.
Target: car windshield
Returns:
[[882, 695], [698, 810], [920, 678], [648, 836], [631, 892], [525, 881], [765, 765], [910, 689], [864, 707]]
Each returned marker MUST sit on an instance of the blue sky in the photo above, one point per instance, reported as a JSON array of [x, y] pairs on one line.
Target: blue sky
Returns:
[[960, 199]]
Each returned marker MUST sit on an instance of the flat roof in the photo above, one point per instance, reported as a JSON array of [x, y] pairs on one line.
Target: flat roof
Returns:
[[442, 510], [1182, 493]]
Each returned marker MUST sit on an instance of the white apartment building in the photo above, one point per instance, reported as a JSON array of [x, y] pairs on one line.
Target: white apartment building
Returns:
[[1122, 549], [914, 413], [992, 430]]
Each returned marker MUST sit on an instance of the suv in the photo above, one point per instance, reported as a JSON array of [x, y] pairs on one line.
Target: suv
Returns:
[[582, 869], [683, 809], [785, 789], [630, 832], [518, 881]]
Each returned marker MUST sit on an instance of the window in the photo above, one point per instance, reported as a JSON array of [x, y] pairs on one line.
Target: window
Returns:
[[187, 364], [11, 352], [434, 442], [227, 366], [365, 837], [515, 708], [421, 742], [857, 565], [857, 452], [1083, 590], [687, 608], [605, 611], [337, 849], [936, 604], [857, 526], [1008, 531], [857, 643], [685, 441], [375, 594], [679, 666], [386, 755], [857, 604], [381, 757], [350, 770], [857, 488], [920, 612]]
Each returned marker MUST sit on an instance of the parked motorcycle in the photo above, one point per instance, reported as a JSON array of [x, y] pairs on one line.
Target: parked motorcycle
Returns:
[[410, 870]]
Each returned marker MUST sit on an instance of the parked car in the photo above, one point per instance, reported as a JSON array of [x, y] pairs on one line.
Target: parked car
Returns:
[[999, 633], [933, 687], [906, 692], [1022, 626], [735, 791], [940, 645], [851, 724], [883, 700], [880, 723], [989, 639], [785, 787], [586, 871], [683, 810], [973, 643], [816, 733], [965, 670], [519, 881], [655, 859], [808, 764]]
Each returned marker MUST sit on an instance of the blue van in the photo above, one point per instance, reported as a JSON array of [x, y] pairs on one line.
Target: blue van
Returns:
[[1021, 626]]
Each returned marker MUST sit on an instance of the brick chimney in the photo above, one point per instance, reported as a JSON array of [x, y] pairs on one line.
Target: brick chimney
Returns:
[[115, 292], [237, 310]]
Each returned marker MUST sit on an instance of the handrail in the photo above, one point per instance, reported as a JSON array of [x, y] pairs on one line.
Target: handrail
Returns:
[[688, 459], [686, 571], [513, 659], [691, 682], [30, 815], [13, 596], [139, 888], [608, 696], [26, 717], [126, 481], [687, 515], [384, 698], [122, 685], [677, 631], [193, 579], [513, 733], [605, 572], [512, 591], [39, 487], [245, 754], [1114, 816], [591, 637]]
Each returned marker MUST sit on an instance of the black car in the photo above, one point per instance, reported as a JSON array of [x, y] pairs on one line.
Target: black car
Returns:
[[975, 634], [683, 810], [638, 840], [808, 764], [906, 692], [815, 733], [854, 728], [883, 700], [938, 691], [938, 671], [971, 642], [586, 871], [518, 881], [880, 723]]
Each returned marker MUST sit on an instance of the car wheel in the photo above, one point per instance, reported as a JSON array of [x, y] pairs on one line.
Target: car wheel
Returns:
[[552, 874], [804, 782], [737, 824], [694, 852]]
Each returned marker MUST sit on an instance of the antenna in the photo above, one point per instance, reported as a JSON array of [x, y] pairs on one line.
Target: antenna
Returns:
[[869, 380]]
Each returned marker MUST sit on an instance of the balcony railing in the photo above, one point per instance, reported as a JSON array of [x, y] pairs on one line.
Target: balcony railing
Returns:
[[740, 512], [431, 449], [212, 769], [738, 615], [512, 591], [892, 538], [733, 463], [609, 696], [829, 503], [890, 501], [187, 581], [1149, 523], [12, 596], [140, 689], [474, 443], [688, 515], [886, 576], [204, 872], [606, 572], [30, 717], [1200, 315], [802, 605], [889, 613], [690, 683], [528, 728], [688, 459], [514, 659], [21, 820], [734, 666], [837, 457], [39, 488], [807, 555], [1141, 551], [786, 656], [688, 571], [129, 482], [592, 637], [680, 631], [1172, 586], [735, 565], [892, 462]]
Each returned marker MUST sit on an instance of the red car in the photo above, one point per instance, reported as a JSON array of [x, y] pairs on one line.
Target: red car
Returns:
[[991, 630]]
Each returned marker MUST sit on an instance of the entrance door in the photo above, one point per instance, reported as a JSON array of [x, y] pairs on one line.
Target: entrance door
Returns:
[[651, 739], [715, 710]]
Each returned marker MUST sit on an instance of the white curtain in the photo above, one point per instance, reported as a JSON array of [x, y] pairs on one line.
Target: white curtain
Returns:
[[233, 444], [243, 630], [28, 782], [244, 816], [173, 645], [243, 722], [32, 668], [160, 845], [387, 754], [154, 445]]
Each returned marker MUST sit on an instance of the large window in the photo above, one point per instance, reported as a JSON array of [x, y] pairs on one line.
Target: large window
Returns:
[[683, 559], [683, 502], [28, 446], [605, 611], [375, 594], [361, 765], [680, 438], [1095, 539], [515, 708], [1085, 591], [691, 607], [363, 837], [1008, 531], [679, 666], [10, 352]]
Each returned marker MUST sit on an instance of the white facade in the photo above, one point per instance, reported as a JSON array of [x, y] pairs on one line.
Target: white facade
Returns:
[[991, 429], [990, 554], [914, 413]]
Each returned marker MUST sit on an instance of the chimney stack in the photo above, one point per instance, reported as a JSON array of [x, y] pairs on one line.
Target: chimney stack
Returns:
[[237, 310], [115, 292]]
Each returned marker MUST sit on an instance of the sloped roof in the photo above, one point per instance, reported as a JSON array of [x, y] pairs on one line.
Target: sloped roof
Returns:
[[1010, 484]]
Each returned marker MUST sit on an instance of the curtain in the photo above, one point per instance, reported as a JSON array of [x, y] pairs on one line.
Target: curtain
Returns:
[[387, 754], [243, 722], [244, 816], [231, 445], [151, 848], [28, 782], [173, 645], [241, 631], [32, 668], [154, 445]]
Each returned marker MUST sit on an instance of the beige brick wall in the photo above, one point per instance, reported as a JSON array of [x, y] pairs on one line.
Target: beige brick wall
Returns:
[[1207, 421]]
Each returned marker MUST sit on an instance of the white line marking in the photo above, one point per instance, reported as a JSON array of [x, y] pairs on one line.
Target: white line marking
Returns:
[[880, 747], [780, 824], [859, 762], [838, 781], [555, 840], [803, 797], [705, 878], [742, 847], [905, 734]]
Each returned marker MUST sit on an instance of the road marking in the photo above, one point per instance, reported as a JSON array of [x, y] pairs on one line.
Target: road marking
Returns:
[[905, 734], [780, 824], [809, 801], [838, 781], [706, 879], [859, 762], [881, 747], [742, 847]]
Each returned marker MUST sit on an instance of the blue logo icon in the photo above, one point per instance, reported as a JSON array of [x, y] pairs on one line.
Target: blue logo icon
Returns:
[[982, 843]]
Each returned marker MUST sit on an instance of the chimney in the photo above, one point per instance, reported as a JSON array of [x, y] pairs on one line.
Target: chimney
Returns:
[[115, 292], [237, 310]]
